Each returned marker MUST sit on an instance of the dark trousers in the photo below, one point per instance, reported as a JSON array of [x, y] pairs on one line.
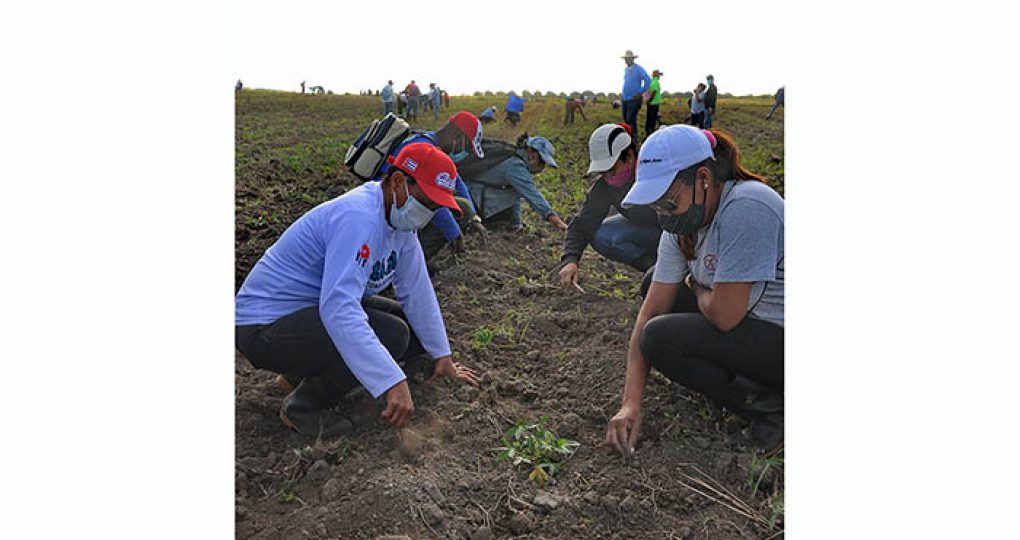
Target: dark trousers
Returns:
[[651, 120], [685, 347], [432, 239], [698, 119], [299, 346], [631, 107]]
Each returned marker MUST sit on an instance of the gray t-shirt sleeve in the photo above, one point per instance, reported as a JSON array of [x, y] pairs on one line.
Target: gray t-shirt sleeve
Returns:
[[748, 242], [670, 266]]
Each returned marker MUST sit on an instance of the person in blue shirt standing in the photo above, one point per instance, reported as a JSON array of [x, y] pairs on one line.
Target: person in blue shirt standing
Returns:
[[387, 98], [461, 132], [635, 83]]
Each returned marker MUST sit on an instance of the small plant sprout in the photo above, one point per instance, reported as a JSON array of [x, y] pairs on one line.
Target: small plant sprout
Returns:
[[536, 446], [483, 336]]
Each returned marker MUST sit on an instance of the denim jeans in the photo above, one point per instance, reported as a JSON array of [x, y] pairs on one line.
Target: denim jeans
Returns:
[[511, 216], [708, 118], [775, 105], [631, 107], [435, 110], [299, 346], [412, 108], [622, 241], [387, 107]]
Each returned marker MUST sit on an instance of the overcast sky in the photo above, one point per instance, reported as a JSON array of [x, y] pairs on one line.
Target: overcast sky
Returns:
[[524, 45]]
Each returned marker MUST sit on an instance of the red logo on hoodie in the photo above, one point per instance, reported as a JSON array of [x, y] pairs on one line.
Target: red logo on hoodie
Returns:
[[362, 255]]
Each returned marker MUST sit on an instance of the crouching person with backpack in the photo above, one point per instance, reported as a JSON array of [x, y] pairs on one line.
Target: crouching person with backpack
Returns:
[[505, 176], [459, 134], [309, 308]]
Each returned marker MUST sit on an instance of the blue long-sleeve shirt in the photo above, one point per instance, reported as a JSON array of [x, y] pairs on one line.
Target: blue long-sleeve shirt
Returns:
[[334, 256], [512, 180], [443, 218], [635, 81]]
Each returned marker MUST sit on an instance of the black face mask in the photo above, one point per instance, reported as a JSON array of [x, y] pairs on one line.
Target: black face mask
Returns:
[[689, 221]]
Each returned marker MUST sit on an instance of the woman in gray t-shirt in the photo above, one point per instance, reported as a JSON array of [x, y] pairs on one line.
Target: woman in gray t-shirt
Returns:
[[712, 316]]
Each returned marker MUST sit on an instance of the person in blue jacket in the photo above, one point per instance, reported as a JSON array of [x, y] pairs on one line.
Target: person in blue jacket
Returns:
[[461, 132], [498, 187]]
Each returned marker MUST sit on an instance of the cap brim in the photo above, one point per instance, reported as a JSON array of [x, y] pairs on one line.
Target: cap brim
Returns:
[[646, 191], [601, 165], [549, 160], [441, 197]]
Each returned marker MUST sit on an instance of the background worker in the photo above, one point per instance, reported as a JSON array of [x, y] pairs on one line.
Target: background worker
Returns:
[[654, 100], [710, 98], [387, 98], [635, 84], [778, 102]]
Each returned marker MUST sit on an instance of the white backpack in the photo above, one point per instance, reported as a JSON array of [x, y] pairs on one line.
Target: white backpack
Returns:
[[368, 153]]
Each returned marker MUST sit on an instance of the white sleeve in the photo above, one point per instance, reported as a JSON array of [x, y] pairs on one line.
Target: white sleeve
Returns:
[[416, 295], [670, 265], [343, 285]]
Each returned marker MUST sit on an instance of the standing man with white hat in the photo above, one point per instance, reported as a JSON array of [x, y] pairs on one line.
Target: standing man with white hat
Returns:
[[635, 84]]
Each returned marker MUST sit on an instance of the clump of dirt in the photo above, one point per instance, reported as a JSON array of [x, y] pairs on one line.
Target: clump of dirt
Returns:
[[552, 352]]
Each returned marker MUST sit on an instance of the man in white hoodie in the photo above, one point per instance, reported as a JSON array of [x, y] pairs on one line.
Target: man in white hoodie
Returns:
[[310, 306]]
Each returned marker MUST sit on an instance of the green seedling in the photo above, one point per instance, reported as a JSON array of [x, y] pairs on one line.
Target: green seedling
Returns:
[[536, 446], [759, 468], [483, 337]]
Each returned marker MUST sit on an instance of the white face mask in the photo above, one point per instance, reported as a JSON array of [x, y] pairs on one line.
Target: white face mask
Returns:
[[410, 217]]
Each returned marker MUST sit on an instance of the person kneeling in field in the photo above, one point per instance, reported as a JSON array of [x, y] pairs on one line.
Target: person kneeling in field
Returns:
[[498, 182], [630, 236], [712, 316], [310, 306], [460, 132]]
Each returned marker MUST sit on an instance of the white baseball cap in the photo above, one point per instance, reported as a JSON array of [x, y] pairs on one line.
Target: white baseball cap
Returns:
[[666, 152], [606, 145]]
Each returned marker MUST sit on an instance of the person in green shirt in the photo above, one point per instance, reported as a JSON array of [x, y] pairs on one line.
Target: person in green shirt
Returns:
[[654, 100]]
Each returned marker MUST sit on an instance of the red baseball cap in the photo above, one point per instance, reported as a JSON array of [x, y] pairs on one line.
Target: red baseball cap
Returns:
[[472, 127], [432, 170]]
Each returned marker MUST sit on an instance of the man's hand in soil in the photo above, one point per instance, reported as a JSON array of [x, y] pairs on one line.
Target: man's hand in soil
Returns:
[[557, 222], [568, 276], [623, 430], [399, 405], [476, 227], [454, 371]]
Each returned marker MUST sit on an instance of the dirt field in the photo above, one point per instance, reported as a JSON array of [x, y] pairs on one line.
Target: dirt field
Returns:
[[552, 353]]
